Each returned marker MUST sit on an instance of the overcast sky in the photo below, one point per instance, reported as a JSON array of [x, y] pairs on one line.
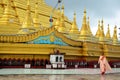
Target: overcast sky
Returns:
[[108, 10]]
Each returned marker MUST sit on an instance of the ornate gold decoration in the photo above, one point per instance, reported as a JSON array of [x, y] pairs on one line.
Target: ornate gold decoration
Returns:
[[9, 20], [19, 12], [62, 22], [52, 38], [57, 23], [85, 32], [115, 39], [36, 20], [27, 26], [74, 29], [84, 28], [13, 45], [99, 30], [108, 37], [88, 26], [102, 38]]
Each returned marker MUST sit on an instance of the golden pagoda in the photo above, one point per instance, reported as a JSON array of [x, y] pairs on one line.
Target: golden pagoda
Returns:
[[62, 26], [88, 25], [26, 37], [74, 31], [85, 31], [115, 39], [9, 20], [108, 36], [102, 38], [57, 23], [27, 26], [98, 31], [36, 21]]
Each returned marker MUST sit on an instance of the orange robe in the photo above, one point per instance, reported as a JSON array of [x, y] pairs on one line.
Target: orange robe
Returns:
[[104, 65]]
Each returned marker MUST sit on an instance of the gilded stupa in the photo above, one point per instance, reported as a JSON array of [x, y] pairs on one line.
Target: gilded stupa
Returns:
[[26, 36]]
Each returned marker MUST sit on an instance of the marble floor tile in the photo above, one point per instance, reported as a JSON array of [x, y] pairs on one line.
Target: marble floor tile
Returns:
[[58, 74], [115, 76]]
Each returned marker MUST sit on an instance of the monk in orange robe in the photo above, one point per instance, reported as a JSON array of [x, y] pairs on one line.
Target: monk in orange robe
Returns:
[[104, 65]]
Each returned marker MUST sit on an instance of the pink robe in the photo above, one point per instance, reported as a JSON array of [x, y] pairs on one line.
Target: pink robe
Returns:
[[104, 65]]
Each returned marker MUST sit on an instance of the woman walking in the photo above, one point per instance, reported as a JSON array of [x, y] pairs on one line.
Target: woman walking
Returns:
[[104, 65]]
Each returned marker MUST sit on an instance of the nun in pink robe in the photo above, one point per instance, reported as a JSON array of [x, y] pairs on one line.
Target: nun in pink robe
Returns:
[[104, 65]]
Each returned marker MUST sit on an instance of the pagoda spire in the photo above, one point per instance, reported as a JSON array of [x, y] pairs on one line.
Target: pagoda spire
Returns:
[[8, 16], [8, 8], [27, 25], [62, 22], [1, 8], [84, 29], [102, 28], [74, 28], [36, 18], [108, 33], [85, 32], [15, 11], [114, 38], [28, 22], [108, 37], [88, 26], [102, 35], [57, 23], [99, 30]]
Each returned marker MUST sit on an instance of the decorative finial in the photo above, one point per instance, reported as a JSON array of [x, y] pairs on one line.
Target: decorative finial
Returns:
[[75, 16], [99, 30], [62, 6], [27, 26], [28, 2], [102, 21], [74, 13], [102, 24], [36, 7], [62, 12], [108, 34], [108, 26], [85, 10], [84, 29], [84, 17], [62, 22], [57, 23], [36, 19], [74, 29], [88, 26], [115, 39], [98, 21], [58, 6]]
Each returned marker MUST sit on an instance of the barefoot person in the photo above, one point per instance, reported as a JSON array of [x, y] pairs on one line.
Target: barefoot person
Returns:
[[104, 65]]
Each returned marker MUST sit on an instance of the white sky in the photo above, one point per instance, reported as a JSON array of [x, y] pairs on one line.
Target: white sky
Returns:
[[108, 10]]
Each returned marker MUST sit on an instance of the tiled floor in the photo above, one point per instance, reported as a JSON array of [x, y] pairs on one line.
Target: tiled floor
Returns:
[[56, 71], [61, 74], [61, 77]]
